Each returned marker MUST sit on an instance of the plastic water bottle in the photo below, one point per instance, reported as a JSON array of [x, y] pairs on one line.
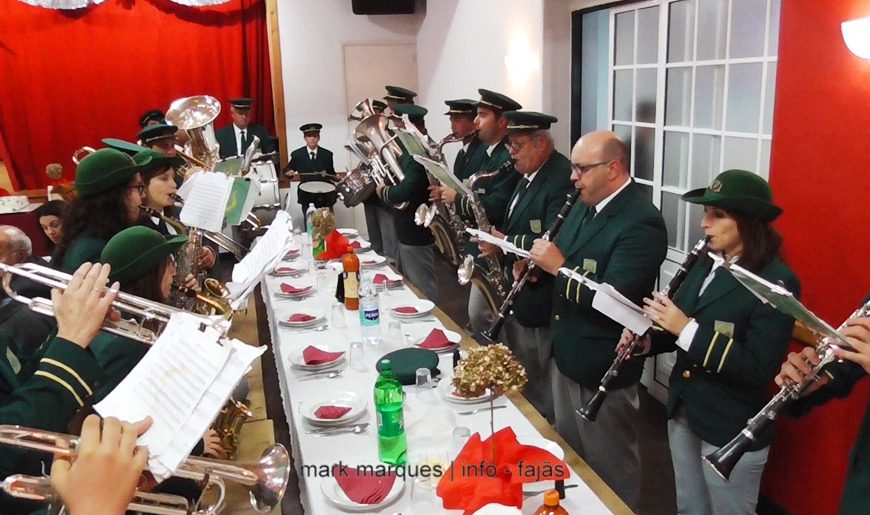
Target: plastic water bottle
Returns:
[[369, 311], [392, 445], [309, 220]]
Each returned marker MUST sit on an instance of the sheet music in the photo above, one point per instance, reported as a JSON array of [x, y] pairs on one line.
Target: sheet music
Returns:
[[206, 200], [440, 172], [263, 257], [498, 242], [609, 302]]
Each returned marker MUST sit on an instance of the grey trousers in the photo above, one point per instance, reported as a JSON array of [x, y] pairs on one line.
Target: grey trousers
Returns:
[[531, 346], [417, 264], [610, 444], [388, 235], [479, 315], [700, 491], [373, 228]]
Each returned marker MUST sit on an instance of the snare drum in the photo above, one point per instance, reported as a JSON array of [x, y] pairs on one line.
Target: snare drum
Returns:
[[268, 178], [355, 188], [321, 194]]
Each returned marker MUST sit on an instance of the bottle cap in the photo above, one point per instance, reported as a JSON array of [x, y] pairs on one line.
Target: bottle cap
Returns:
[[551, 498]]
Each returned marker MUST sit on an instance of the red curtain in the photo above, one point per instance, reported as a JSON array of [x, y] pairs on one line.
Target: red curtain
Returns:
[[71, 78]]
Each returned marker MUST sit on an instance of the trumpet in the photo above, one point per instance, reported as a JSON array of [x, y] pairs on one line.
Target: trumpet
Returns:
[[146, 311], [590, 410], [265, 479], [723, 460]]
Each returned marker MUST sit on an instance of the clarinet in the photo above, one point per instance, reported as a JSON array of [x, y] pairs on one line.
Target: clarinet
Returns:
[[590, 410], [723, 460], [492, 332]]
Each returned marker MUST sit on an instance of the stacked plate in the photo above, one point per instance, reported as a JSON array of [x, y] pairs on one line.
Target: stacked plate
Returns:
[[445, 386], [390, 281], [348, 232], [336, 496], [298, 292], [292, 254], [303, 319], [416, 309], [419, 333], [297, 360], [284, 271], [352, 400], [372, 262], [360, 245]]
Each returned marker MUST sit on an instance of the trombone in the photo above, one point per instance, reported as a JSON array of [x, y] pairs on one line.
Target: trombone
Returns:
[[265, 479]]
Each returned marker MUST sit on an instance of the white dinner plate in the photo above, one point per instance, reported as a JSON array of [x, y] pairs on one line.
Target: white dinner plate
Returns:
[[445, 386], [318, 315], [336, 496], [372, 261], [549, 446], [347, 231], [307, 290], [423, 306], [363, 245], [285, 271], [352, 400], [297, 360]]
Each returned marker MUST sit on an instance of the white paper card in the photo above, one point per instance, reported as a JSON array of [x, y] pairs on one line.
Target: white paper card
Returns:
[[498, 242], [206, 201]]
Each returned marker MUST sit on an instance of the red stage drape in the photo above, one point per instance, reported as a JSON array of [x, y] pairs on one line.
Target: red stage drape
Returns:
[[71, 78]]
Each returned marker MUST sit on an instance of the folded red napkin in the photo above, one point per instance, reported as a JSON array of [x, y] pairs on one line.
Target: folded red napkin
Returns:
[[355, 244], [300, 317], [289, 288], [293, 252], [406, 309], [380, 279], [435, 340], [364, 485], [481, 475], [370, 262], [331, 412], [286, 270], [314, 356]]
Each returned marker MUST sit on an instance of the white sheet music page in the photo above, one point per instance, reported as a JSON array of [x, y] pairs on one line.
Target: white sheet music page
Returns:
[[498, 242], [206, 201], [169, 383], [266, 253], [616, 306]]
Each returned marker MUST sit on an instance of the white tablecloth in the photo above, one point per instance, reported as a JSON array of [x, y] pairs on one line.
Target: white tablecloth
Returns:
[[425, 413]]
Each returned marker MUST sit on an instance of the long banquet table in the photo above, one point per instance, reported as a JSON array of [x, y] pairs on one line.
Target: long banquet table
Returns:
[[424, 412]]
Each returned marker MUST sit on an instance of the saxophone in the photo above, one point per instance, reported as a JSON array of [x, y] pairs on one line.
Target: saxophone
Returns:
[[491, 281]]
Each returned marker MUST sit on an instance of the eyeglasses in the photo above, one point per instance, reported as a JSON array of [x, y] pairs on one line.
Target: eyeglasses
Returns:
[[518, 145], [581, 169], [139, 187]]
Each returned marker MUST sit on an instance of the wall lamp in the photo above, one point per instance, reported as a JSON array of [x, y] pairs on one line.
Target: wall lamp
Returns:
[[856, 34]]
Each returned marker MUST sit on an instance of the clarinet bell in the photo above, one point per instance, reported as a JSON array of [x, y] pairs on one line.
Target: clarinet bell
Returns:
[[590, 410]]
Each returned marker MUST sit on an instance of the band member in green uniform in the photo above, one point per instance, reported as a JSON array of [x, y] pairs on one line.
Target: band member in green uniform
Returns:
[[470, 157], [729, 344]]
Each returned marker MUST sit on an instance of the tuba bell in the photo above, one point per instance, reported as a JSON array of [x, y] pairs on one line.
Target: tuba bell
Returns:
[[382, 150], [195, 116], [362, 110]]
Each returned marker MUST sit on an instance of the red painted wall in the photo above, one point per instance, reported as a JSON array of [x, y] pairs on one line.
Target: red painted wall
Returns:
[[820, 174]]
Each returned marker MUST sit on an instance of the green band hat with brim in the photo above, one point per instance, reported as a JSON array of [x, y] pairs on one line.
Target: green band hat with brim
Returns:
[[124, 146], [153, 160], [739, 191], [154, 115], [414, 112], [461, 106], [311, 127], [156, 132], [378, 105], [400, 94], [524, 121], [497, 101], [136, 251], [105, 169], [242, 103]]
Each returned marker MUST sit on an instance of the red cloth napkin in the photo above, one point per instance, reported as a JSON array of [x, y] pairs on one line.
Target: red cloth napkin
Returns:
[[286, 270], [331, 412], [300, 317], [405, 309], [364, 486], [289, 288], [380, 279], [355, 244], [336, 246], [369, 262], [435, 340], [314, 356], [475, 479]]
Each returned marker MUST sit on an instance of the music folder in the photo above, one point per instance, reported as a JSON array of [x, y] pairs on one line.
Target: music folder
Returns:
[[440, 172]]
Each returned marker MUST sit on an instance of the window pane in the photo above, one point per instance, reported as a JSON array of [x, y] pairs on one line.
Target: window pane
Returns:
[[705, 160], [646, 95], [712, 15], [696, 212], [674, 213], [681, 31], [770, 87], [648, 35], [622, 92], [764, 168], [625, 38], [747, 28], [740, 153], [678, 96], [644, 152], [676, 165], [709, 88], [773, 29], [624, 133], [744, 97]]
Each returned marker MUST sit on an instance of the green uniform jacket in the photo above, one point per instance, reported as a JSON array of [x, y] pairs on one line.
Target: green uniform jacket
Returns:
[[470, 161], [721, 382], [84, 250], [533, 214], [63, 381], [623, 245], [413, 189], [494, 192], [117, 356]]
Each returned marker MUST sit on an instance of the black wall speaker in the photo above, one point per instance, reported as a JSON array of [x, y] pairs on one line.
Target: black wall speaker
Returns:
[[383, 6]]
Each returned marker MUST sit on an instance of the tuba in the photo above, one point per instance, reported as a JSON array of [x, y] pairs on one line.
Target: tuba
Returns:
[[381, 150], [195, 116], [361, 110]]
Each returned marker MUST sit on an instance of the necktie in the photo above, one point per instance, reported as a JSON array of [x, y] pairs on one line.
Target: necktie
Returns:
[[524, 184], [312, 156], [590, 214], [242, 140]]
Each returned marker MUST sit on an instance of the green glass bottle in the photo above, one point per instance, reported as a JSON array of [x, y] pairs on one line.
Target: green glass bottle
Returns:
[[392, 445]]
